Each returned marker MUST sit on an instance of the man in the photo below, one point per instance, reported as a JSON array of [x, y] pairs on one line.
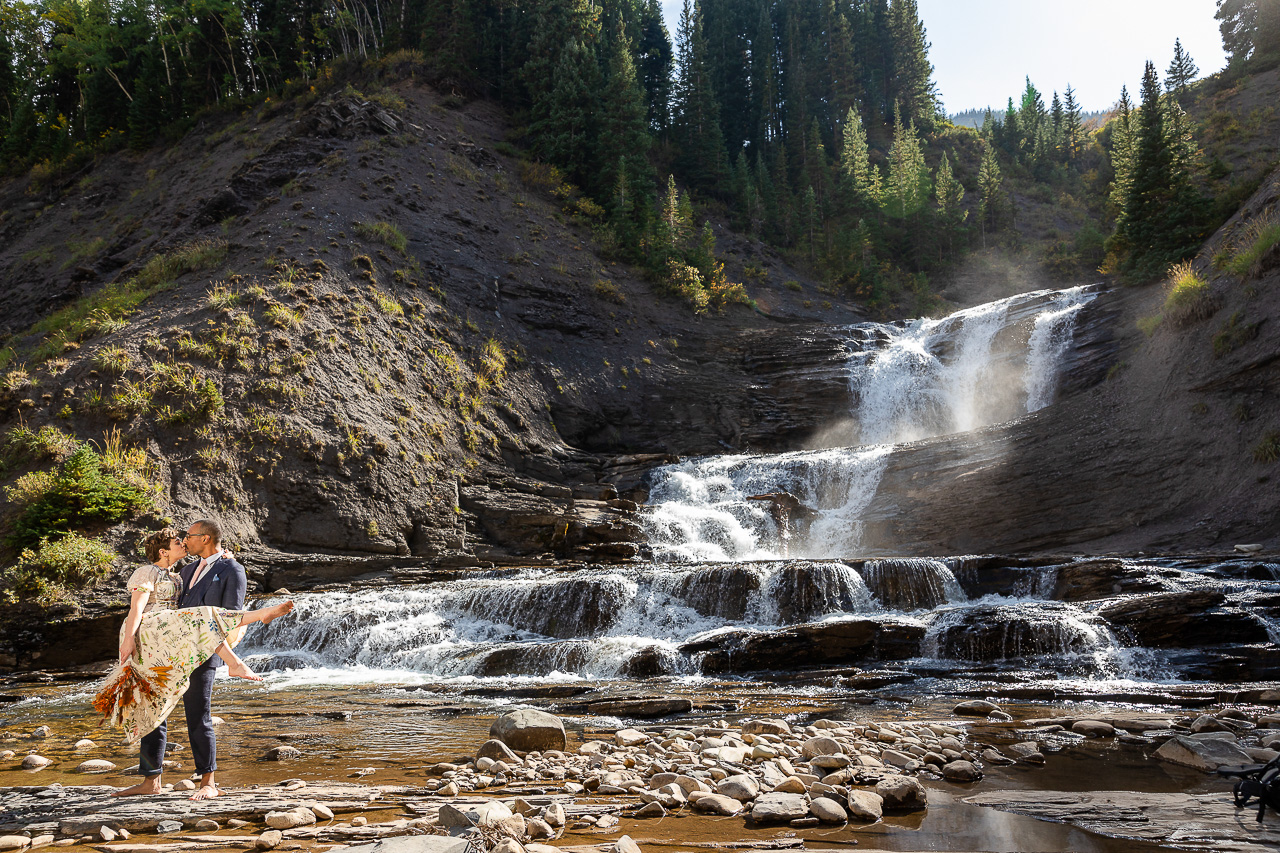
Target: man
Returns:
[[217, 579]]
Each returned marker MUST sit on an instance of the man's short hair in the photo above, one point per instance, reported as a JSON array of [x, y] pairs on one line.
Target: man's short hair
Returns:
[[208, 525]]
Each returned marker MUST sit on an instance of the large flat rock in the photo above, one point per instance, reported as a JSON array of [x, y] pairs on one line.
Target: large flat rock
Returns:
[[1184, 821], [83, 809]]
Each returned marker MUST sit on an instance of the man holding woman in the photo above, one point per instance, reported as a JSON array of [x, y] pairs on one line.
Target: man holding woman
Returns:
[[179, 625]]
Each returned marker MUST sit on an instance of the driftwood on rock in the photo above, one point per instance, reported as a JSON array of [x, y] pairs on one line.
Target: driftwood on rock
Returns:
[[1186, 821], [80, 810]]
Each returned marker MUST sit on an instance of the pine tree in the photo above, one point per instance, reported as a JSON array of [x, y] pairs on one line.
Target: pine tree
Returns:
[[991, 192], [908, 176], [1182, 71], [1158, 224], [654, 62], [1122, 154], [861, 178], [696, 122], [623, 140], [911, 83], [949, 194], [1072, 126], [564, 129]]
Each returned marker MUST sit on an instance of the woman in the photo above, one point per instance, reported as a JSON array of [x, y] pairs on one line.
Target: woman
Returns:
[[161, 646]]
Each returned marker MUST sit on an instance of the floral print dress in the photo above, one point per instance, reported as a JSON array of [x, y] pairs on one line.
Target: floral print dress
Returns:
[[140, 694]]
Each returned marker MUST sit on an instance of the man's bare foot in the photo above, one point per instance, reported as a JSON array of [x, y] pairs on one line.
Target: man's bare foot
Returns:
[[206, 792], [276, 611], [149, 785], [237, 669]]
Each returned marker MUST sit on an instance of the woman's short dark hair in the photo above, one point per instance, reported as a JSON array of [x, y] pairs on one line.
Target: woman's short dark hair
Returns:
[[158, 541]]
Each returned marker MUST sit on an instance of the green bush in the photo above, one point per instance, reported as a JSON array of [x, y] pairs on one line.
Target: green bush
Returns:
[[48, 571], [80, 493], [1188, 296]]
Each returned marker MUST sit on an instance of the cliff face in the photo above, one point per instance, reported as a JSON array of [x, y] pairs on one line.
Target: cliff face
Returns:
[[1170, 452], [404, 343], [352, 325]]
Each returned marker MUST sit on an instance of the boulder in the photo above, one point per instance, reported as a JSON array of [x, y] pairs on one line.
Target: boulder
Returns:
[[13, 842], [554, 815], [828, 810], [865, 806], [625, 845], [1203, 755], [269, 839], [96, 765], [527, 730], [820, 746], [961, 771], [1189, 619], [282, 753], [653, 809], [508, 845], [975, 708], [630, 737], [291, 818], [717, 804], [766, 727], [487, 813], [35, 762], [498, 751], [1093, 728], [790, 785], [742, 787], [902, 793], [208, 825], [779, 808]]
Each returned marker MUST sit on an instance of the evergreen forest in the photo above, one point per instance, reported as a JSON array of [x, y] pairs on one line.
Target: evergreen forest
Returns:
[[812, 125]]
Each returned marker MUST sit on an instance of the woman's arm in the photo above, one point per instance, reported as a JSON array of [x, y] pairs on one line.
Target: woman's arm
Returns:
[[137, 607]]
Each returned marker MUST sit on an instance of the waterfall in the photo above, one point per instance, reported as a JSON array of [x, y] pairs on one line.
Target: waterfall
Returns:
[[700, 509], [597, 623], [1049, 342], [1010, 631], [976, 367], [912, 584]]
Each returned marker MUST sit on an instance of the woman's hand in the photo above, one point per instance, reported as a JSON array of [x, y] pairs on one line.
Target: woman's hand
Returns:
[[127, 647]]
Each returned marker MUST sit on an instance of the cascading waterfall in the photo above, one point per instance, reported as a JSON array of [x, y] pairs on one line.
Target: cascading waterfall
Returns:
[[976, 367], [973, 368], [595, 622], [699, 509], [912, 583]]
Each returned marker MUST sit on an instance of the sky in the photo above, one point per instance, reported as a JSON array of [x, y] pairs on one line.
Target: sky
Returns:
[[982, 50]]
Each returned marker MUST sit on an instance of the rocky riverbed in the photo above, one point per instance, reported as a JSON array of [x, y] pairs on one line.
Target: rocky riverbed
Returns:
[[968, 775]]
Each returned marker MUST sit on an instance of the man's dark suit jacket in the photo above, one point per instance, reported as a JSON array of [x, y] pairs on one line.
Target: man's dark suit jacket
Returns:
[[223, 585]]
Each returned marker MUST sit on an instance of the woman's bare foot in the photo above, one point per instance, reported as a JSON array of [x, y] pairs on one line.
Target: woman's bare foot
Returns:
[[149, 785], [207, 792], [237, 669], [276, 611]]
